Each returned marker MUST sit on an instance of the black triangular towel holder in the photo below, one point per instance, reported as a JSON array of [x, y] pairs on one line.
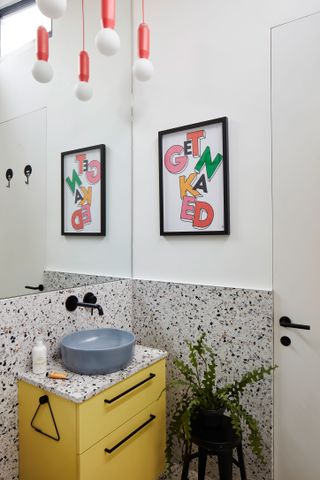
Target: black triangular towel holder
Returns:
[[42, 401]]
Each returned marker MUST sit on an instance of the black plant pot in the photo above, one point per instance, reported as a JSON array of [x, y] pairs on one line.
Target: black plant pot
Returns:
[[210, 418]]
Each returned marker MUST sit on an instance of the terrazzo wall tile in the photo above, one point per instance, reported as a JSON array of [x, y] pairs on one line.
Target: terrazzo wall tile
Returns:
[[24, 318], [238, 324], [53, 280]]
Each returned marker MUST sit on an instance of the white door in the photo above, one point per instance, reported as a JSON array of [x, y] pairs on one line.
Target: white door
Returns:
[[296, 236]]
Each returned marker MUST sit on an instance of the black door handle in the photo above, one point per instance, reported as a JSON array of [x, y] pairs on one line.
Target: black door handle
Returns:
[[286, 322], [39, 287]]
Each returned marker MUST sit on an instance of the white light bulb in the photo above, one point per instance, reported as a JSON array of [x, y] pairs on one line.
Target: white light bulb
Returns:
[[83, 91], [42, 71], [52, 8], [143, 69], [107, 41]]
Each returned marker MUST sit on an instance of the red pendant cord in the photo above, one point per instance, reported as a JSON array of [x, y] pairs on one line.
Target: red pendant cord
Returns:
[[84, 57], [142, 11], [83, 31]]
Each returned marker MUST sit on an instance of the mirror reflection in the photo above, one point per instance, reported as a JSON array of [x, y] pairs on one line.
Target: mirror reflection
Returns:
[[37, 123]]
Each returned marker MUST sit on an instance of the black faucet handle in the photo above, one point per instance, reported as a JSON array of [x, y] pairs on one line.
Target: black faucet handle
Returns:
[[71, 303], [90, 298]]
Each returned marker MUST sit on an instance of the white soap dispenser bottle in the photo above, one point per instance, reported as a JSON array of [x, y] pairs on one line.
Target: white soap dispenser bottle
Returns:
[[39, 357]]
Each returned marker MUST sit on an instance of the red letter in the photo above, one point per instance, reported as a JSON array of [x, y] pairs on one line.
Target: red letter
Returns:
[[200, 207], [195, 138], [76, 220], [80, 158]]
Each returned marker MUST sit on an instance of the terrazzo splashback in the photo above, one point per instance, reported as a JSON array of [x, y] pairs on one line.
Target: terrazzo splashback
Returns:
[[238, 324], [54, 280], [24, 318]]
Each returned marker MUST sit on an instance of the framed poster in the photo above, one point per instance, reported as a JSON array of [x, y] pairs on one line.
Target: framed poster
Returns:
[[194, 179], [83, 191]]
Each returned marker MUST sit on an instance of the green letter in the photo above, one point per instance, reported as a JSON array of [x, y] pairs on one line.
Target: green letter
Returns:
[[75, 180], [211, 165]]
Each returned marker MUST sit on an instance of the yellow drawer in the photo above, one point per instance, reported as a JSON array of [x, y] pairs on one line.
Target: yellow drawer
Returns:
[[41, 457], [96, 418], [139, 457]]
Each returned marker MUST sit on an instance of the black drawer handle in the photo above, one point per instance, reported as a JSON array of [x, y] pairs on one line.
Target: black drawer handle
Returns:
[[151, 376], [286, 322], [110, 450]]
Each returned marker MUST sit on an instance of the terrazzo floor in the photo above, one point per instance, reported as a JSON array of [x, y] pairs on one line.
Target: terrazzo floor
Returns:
[[176, 474]]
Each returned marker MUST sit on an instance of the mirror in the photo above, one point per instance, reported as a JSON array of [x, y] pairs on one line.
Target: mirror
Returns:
[[37, 123]]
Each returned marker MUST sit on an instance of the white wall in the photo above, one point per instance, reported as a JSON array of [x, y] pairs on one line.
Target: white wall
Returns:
[[211, 58], [73, 124]]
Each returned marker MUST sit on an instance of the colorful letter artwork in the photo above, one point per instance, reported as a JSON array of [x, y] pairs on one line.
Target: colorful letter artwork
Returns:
[[83, 191], [194, 179]]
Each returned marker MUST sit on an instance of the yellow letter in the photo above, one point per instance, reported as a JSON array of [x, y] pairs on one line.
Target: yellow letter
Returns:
[[185, 185], [87, 195]]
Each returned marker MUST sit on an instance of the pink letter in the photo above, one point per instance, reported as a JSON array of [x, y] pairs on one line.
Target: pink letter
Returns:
[[93, 176], [86, 214], [187, 208], [177, 164]]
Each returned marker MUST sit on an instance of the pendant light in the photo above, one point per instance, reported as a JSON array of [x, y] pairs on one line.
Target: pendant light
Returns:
[[107, 39], [52, 8], [42, 70], [83, 89], [143, 68]]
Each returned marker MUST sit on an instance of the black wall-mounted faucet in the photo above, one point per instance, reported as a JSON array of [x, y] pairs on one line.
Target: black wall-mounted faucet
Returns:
[[89, 301]]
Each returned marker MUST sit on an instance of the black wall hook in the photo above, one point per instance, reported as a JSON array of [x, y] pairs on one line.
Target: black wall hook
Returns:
[[9, 175], [27, 172]]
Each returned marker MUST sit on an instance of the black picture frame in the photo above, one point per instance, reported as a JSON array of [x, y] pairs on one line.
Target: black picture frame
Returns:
[[102, 204], [223, 121]]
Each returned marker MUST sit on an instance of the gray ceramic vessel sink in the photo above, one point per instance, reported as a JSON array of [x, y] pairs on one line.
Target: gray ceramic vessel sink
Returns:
[[96, 352]]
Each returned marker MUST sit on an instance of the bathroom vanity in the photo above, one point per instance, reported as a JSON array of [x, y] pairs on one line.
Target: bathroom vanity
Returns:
[[95, 427]]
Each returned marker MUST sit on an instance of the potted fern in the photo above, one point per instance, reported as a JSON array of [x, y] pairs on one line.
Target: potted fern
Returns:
[[202, 400]]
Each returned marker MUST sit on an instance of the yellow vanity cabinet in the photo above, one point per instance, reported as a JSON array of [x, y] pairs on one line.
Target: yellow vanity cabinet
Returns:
[[140, 457], [118, 434], [103, 413], [40, 457]]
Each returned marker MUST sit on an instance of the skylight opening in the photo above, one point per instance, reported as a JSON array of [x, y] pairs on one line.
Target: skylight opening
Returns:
[[18, 25]]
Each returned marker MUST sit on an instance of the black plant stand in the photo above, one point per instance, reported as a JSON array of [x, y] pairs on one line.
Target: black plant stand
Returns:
[[220, 440]]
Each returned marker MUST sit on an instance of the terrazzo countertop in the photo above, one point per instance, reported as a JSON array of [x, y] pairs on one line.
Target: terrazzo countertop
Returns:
[[79, 388]]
